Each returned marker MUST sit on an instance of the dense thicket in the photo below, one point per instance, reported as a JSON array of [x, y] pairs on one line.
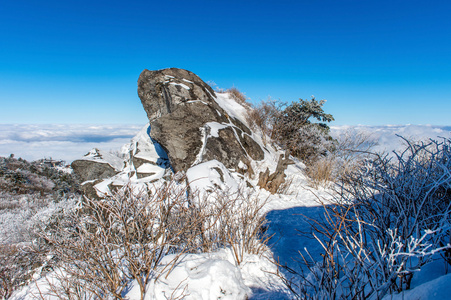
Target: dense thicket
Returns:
[[31, 194], [19, 176]]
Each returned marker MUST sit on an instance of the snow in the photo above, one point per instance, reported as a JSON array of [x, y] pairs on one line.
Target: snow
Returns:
[[439, 288], [217, 275], [201, 276], [101, 156], [211, 175], [153, 166], [232, 108], [215, 127], [180, 84]]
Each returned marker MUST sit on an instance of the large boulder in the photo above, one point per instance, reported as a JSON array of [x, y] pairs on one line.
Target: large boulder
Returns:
[[191, 125]]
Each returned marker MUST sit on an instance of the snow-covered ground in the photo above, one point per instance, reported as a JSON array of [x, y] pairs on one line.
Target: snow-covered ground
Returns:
[[216, 275]]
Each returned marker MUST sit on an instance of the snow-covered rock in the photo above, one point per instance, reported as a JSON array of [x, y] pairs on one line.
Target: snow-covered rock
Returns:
[[97, 164], [192, 123]]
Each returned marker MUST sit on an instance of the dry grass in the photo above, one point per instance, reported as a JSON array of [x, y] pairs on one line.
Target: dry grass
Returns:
[[237, 95], [349, 152], [322, 172]]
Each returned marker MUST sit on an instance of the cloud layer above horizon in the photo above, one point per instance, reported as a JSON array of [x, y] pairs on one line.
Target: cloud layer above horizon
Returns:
[[69, 142]]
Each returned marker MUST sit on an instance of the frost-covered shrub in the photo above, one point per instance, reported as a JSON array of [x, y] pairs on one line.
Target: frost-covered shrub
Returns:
[[19, 176], [290, 126], [106, 244], [389, 218], [22, 255], [348, 153]]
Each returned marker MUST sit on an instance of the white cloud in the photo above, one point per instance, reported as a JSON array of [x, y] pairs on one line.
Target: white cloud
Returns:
[[387, 135], [67, 142]]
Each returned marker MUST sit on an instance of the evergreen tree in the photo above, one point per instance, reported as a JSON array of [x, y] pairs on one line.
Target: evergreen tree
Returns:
[[295, 131]]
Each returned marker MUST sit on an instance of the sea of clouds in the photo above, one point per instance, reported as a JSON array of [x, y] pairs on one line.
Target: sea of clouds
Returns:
[[391, 138], [69, 142]]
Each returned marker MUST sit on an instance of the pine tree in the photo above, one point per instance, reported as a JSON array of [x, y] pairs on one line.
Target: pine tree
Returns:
[[295, 131]]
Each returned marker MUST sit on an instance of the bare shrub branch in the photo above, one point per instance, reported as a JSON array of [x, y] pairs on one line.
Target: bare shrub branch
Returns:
[[389, 218]]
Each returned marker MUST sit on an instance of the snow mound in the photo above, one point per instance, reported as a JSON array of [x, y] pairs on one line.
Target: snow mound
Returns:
[[201, 276], [212, 175], [100, 156]]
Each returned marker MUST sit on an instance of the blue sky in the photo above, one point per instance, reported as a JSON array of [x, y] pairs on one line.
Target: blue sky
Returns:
[[376, 62]]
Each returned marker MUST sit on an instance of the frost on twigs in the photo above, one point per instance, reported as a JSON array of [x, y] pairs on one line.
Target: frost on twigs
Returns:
[[389, 218], [105, 246]]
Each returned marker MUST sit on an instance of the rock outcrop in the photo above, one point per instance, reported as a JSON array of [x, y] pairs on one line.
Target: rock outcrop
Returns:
[[96, 165], [191, 129], [273, 181], [188, 121]]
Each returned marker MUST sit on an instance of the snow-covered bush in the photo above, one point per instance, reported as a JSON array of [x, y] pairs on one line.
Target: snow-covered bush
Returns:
[[389, 218], [295, 131], [19, 176], [21, 255], [105, 245], [290, 126]]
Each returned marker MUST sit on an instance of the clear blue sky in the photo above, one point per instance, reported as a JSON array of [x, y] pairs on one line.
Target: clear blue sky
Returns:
[[376, 62]]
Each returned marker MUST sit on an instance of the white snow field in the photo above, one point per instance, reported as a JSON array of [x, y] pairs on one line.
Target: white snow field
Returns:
[[217, 275]]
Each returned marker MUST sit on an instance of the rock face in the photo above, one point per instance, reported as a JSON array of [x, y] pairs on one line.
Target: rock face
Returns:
[[187, 120], [96, 165]]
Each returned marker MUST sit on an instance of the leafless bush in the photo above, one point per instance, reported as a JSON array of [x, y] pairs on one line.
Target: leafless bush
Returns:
[[263, 117], [237, 95], [123, 237], [347, 154], [388, 220], [108, 243], [7, 255], [235, 221]]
